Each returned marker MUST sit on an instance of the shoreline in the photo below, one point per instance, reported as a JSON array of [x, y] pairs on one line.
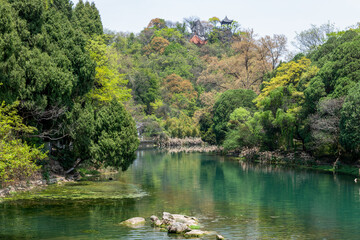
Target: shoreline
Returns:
[[299, 160], [30, 185], [250, 156]]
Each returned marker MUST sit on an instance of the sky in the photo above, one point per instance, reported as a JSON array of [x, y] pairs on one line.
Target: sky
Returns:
[[266, 17]]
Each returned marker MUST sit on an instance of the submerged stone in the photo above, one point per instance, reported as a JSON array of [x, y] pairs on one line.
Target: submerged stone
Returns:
[[196, 233], [134, 222]]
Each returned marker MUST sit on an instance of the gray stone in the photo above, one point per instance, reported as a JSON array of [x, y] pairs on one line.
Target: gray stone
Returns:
[[178, 227], [158, 223], [219, 237], [195, 233], [168, 219], [154, 218], [134, 222], [189, 221]]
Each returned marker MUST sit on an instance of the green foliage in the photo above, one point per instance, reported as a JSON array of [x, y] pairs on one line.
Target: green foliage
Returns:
[[350, 121], [54, 61], [241, 133], [206, 128], [146, 87], [313, 93], [170, 34], [225, 105], [109, 83], [115, 139], [87, 18], [45, 63], [104, 136], [17, 159], [181, 127]]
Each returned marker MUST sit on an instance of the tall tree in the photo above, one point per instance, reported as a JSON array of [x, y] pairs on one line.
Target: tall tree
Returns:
[[225, 105], [273, 48], [245, 69], [308, 40], [87, 17]]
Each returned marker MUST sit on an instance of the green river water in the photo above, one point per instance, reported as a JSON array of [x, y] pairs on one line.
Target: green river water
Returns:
[[239, 201]]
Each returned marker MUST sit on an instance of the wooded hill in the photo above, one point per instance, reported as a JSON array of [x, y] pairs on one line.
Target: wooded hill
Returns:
[[65, 82]]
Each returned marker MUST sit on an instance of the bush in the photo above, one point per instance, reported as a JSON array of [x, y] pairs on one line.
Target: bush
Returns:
[[17, 159]]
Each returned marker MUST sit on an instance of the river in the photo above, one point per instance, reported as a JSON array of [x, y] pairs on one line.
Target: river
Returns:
[[238, 200]]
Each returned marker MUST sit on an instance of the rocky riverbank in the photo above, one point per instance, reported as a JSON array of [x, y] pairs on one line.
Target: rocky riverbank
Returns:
[[55, 174], [29, 185]]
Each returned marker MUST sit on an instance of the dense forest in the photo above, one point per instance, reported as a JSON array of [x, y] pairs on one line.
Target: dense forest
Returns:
[[76, 93]]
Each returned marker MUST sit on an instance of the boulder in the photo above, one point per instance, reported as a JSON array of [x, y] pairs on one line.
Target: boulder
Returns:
[[167, 219], [134, 222], [178, 227], [189, 221], [219, 237], [154, 218], [155, 221]]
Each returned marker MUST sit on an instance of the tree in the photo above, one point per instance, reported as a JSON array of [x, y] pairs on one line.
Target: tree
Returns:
[[287, 74], [170, 34], [308, 40], [272, 49], [45, 65], [245, 69], [157, 23], [17, 159], [283, 97], [215, 21], [157, 45], [87, 17], [109, 83], [179, 92], [350, 122], [225, 105], [240, 132], [104, 136], [325, 127], [146, 87]]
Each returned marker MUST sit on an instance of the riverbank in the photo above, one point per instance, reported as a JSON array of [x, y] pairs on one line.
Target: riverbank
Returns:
[[299, 160], [30, 185], [50, 174]]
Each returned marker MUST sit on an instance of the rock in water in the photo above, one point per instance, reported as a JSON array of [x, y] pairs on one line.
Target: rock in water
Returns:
[[178, 227], [154, 218], [195, 233], [189, 221], [219, 237], [168, 219], [134, 222]]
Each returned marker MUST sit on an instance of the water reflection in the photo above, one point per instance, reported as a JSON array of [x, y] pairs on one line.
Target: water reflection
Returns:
[[239, 200]]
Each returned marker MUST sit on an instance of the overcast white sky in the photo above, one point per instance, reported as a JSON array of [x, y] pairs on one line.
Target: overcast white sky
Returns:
[[266, 17]]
